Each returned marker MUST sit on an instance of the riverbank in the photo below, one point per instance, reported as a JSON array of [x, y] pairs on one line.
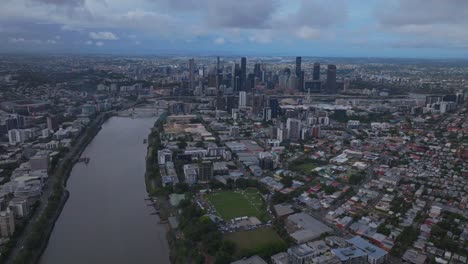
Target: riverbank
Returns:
[[154, 186], [33, 239], [36, 238]]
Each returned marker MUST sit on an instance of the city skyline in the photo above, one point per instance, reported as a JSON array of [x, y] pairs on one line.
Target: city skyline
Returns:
[[413, 29]]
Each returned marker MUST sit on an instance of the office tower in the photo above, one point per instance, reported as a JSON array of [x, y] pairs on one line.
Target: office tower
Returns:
[[231, 103], [205, 171], [191, 77], [299, 75], [258, 70], [250, 82], [316, 72], [292, 82], [283, 81], [280, 134], [212, 80], [236, 77], [298, 66], [242, 99], [331, 79], [257, 103], [274, 105], [52, 123], [294, 128], [218, 75], [300, 82], [243, 75], [18, 136], [346, 85], [266, 114], [312, 86], [7, 223]]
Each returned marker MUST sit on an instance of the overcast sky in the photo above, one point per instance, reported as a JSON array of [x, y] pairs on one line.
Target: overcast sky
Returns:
[[377, 28]]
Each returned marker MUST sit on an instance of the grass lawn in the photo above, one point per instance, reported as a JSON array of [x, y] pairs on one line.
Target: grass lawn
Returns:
[[252, 242], [304, 168], [232, 204]]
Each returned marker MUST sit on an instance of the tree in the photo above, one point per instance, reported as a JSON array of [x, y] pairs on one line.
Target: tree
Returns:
[[182, 144], [287, 181]]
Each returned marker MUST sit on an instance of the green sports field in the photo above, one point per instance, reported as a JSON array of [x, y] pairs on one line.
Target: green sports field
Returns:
[[232, 204], [256, 241]]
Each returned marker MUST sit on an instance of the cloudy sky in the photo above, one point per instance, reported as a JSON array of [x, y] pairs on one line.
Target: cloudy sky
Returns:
[[377, 28]]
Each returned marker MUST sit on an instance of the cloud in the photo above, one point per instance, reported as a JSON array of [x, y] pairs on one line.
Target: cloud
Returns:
[[245, 14], [219, 41], [71, 3], [103, 35], [21, 40], [99, 43], [425, 23], [262, 36], [420, 12], [306, 32]]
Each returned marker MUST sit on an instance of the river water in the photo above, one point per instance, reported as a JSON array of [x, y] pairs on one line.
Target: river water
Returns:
[[106, 219]]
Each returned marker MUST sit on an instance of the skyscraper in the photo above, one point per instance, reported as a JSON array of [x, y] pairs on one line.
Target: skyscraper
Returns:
[[266, 114], [316, 73], [346, 85], [298, 66], [250, 82], [331, 79], [235, 77], [218, 75], [294, 128], [258, 70], [243, 75], [274, 105], [242, 98], [191, 69]]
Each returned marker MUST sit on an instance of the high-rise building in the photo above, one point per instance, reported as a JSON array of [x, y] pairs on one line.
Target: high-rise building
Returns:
[[219, 76], [205, 171], [257, 103], [298, 66], [17, 136], [312, 86], [300, 82], [52, 123], [345, 85], [231, 103], [316, 72], [250, 82], [258, 70], [266, 114], [236, 77], [292, 82], [243, 75], [294, 128], [274, 105], [7, 223], [191, 77], [331, 79], [242, 99]]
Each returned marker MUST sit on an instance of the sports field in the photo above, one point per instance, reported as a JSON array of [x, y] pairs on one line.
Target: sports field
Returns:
[[256, 240], [232, 204]]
